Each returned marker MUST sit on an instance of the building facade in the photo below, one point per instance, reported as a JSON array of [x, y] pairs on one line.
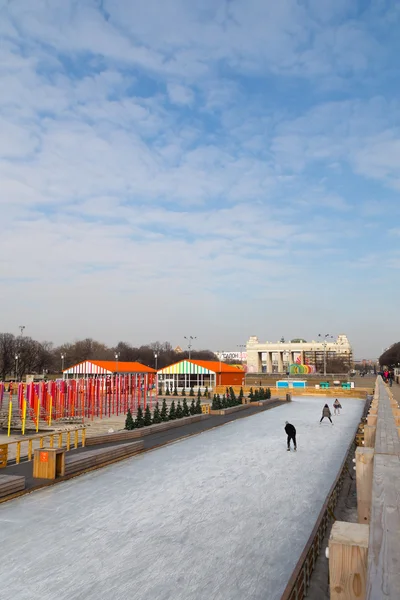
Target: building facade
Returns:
[[276, 357]]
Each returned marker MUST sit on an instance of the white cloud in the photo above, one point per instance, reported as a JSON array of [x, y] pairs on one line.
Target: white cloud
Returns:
[[179, 94]]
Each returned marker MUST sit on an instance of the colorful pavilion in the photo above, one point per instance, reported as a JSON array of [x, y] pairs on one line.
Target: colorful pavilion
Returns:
[[199, 374]]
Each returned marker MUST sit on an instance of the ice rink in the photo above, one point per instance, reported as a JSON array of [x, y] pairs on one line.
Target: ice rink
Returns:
[[223, 515]]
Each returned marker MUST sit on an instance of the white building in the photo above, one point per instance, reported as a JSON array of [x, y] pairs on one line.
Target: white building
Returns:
[[276, 357]]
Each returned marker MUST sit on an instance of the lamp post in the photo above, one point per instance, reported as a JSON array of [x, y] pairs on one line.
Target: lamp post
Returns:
[[63, 356], [190, 338], [287, 355], [324, 343], [155, 358], [116, 361]]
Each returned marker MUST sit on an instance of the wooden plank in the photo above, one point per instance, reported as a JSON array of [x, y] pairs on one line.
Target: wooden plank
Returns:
[[10, 484], [384, 542], [348, 554], [364, 473]]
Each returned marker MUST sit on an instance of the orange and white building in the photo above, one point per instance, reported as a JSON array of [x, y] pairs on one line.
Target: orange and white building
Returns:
[[196, 374]]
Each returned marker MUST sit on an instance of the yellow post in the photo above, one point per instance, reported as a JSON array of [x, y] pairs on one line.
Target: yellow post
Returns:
[[50, 409], [18, 455], [23, 417], [37, 415], [9, 417], [51, 441], [29, 449], [41, 443], [60, 440], [76, 438], [68, 439], [83, 437]]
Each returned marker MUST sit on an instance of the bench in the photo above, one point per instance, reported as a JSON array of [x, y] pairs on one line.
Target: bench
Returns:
[[93, 458], [121, 436], [11, 484]]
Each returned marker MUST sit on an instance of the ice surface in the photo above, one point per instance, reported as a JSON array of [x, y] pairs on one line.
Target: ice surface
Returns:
[[220, 516]]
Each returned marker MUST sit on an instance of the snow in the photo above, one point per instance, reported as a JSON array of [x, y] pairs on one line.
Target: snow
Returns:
[[222, 515]]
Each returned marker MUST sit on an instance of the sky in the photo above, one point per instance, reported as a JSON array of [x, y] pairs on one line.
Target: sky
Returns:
[[214, 168]]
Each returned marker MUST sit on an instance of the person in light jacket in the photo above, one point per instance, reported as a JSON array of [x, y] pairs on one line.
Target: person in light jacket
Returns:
[[337, 406], [326, 412]]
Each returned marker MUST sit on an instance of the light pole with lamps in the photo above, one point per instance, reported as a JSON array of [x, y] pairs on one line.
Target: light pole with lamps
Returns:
[[189, 338], [63, 356], [324, 343], [287, 355], [116, 361], [155, 358]]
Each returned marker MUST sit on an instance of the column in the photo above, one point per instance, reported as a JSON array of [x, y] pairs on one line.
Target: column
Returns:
[[280, 362], [269, 362]]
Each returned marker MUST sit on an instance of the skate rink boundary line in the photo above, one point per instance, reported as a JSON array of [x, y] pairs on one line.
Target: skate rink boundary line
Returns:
[[53, 482]]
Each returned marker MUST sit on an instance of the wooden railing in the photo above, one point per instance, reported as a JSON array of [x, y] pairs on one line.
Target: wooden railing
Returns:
[[364, 556], [22, 450]]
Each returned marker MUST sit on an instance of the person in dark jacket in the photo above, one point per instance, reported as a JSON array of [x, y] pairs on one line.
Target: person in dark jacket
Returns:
[[291, 435], [326, 412]]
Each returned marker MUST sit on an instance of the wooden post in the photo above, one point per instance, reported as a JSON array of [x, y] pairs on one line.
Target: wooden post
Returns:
[[372, 420], [369, 436], [348, 555], [364, 472]]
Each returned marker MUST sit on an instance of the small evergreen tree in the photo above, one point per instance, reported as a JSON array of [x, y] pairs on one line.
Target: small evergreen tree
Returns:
[[167, 392], [241, 396], [256, 396], [205, 395], [157, 414], [175, 391], [147, 416], [268, 393], [164, 411], [219, 402], [129, 422], [160, 391], [251, 394], [183, 392], [214, 403], [185, 408], [139, 418], [198, 407], [191, 393], [199, 393], [192, 408], [179, 411], [172, 411], [232, 396], [224, 402]]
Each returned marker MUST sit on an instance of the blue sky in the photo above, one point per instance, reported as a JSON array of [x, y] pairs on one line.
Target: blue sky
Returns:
[[211, 168]]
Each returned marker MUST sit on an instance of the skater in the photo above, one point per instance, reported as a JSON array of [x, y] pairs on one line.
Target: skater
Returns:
[[326, 412], [291, 435], [337, 406]]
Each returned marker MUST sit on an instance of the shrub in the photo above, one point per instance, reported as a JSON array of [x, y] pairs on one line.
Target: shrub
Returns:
[[147, 416], [179, 411], [185, 408], [139, 418], [175, 391], [192, 408], [183, 392], [157, 414], [205, 395], [191, 393], [129, 422], [164, 411], [167, 392], [172, 411], [198, 407]]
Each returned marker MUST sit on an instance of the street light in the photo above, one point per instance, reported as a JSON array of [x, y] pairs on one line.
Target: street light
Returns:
[[63, 356], [324, 343], [116, 361], [21, 328], [287, 355], [155, 358], [189, 339]]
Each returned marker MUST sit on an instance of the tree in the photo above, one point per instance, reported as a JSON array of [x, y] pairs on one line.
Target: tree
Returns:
[[251, 394], [198, 407], [185, 408], [241, 396], [179, 411], [167, 393], [192, 408], [156, 414], [172, 411], [183, 392], [139, 418], [175, 391], [199, 393], [206, 392], [268, 395], [129, 422], [164, 411], [147, 416], [191, 393], [214, 404]]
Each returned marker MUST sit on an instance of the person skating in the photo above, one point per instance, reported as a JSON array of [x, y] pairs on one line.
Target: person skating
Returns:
[[337, 406], [291, 435], [326, 412]]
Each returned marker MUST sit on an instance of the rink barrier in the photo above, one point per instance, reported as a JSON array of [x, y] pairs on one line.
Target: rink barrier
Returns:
[[120, 436], [299, 582], [98, 458], [73, 438]]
